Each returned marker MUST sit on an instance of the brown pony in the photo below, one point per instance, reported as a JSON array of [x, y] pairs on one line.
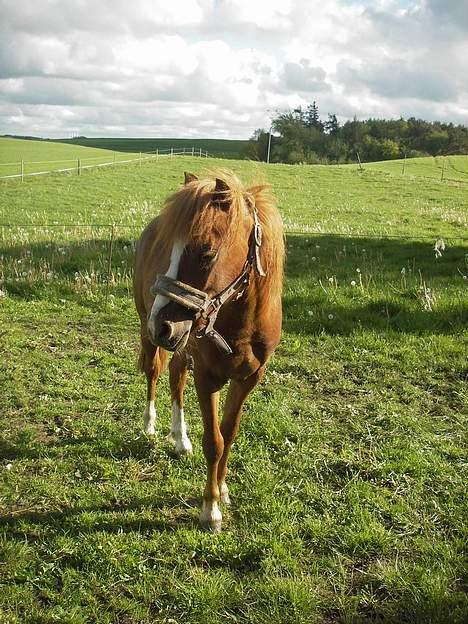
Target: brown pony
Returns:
[[208, 282]]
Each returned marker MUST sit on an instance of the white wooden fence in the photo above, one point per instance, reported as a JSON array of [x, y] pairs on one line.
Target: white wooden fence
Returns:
[[80, 162]]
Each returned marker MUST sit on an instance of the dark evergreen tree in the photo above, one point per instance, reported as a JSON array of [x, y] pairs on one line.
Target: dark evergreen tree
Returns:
[[332, 126], [312, 117]]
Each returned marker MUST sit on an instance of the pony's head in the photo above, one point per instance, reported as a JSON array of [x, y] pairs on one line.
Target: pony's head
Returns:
[[205, 234]]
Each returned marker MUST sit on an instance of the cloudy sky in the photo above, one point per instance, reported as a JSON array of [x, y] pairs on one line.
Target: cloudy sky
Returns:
[[221, 68]]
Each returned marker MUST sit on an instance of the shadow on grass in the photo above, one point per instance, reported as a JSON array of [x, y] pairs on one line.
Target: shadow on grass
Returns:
[[334, 284], [381, 315], [24, 446], [164, 514]]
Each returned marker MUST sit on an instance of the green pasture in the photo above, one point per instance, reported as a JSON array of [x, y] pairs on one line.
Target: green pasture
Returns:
[[348, 477]]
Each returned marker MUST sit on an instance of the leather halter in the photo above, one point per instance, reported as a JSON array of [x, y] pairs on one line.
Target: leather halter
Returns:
[[198, 301]]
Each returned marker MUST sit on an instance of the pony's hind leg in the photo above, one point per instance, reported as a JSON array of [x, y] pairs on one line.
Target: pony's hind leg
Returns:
[[178, 374], [151, 364]]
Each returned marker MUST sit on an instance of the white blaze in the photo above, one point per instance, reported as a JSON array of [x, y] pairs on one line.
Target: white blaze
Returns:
[[160, 301]]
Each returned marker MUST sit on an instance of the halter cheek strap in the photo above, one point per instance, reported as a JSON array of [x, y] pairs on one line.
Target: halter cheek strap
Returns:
[[198, 301]]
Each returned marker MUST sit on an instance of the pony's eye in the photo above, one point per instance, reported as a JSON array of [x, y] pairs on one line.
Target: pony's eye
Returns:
[[208, 256]]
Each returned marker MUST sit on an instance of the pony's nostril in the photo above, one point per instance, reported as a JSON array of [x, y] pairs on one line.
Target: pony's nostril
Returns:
[[166, 330]]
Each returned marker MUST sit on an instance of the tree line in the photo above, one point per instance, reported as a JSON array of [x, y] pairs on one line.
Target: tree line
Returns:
[[302, 136]]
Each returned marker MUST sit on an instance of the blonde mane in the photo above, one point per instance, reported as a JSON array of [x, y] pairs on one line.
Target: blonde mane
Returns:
[[190, 214]]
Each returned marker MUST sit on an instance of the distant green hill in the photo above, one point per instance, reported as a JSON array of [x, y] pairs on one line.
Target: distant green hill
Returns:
[[218, 148]]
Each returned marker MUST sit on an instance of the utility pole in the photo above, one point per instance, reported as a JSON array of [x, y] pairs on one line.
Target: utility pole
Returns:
[[269, 146]]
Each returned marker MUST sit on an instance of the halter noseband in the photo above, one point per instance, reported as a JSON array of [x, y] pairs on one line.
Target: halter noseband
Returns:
[[198, 301]]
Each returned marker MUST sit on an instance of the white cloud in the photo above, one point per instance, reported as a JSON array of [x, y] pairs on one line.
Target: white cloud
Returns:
[[222, 67]]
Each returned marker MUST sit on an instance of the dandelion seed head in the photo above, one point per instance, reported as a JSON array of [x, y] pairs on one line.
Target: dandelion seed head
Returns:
[[330, 317], [358, 270], [314, 258], [353, 283], [331, 280]]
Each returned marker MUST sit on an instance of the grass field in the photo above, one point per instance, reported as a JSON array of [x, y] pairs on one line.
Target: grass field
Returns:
[[348, 478]]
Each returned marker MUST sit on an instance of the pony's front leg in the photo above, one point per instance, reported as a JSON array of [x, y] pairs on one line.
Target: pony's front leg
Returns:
[[150, 362], [237, 394], [178, 374], [213, 446]]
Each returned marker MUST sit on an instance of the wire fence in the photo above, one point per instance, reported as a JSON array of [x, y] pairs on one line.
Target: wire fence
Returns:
[[81, 163], [288, 230], [441, 168]]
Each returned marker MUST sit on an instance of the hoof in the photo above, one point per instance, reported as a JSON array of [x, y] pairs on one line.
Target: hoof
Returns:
[[150, 430], [211, 518], [211, 527], [182, 446]]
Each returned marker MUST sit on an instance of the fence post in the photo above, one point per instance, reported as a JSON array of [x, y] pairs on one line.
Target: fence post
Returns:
[[140, 159], [404, 165], [200, 152], [443, 168], [79, 166], [109, 261], [157, 153], [22, 170], [359, 161], [172, 152], [193, 150]]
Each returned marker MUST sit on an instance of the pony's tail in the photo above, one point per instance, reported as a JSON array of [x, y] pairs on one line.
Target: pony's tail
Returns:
[[161, 356]]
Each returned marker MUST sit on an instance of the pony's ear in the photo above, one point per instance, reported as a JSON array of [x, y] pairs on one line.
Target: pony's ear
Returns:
[[189, 177], [221, 194]]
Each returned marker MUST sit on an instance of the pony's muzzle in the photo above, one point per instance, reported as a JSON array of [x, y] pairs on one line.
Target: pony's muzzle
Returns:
[[171, 335]]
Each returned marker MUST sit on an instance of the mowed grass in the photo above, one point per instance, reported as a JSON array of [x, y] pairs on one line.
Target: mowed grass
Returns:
[[51, 156], [348, 478]]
